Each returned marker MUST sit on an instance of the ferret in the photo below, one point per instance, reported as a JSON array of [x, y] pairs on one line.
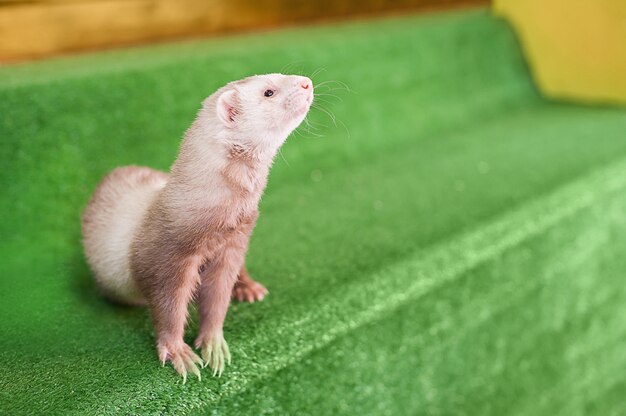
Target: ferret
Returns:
[[163, 240]]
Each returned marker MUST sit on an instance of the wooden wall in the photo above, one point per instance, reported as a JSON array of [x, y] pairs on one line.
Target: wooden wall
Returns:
[[38, 28]]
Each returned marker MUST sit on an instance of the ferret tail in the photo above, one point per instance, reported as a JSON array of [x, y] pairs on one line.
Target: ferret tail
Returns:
[[110, 223]]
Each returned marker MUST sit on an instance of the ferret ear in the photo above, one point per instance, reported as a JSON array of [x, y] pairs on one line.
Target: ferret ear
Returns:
[[228, 107]]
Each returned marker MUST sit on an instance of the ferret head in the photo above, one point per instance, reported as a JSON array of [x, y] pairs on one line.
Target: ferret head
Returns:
[[262, 110]]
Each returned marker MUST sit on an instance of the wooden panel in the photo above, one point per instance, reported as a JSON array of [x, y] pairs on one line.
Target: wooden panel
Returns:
[[31, 29]]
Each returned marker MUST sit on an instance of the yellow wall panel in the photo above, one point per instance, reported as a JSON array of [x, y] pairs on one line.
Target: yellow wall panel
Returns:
[[576, 48]]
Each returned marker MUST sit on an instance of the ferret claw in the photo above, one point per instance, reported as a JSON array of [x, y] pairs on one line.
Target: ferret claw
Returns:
[[206, 354], [190, 364], [215, 353], [183, 359], [227, 353]]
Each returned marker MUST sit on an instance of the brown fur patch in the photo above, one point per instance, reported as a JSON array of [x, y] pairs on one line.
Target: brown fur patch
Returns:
[[176, 254]]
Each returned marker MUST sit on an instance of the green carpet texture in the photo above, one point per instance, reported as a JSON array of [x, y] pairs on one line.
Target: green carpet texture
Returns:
[[453, 244]]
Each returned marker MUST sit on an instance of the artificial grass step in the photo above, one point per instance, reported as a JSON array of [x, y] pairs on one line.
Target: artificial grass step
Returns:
[[453, 141], [557, 238], [469, 342], [315, 326]]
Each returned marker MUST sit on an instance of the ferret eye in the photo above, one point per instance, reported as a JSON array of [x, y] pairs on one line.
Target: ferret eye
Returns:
[[268, 93]]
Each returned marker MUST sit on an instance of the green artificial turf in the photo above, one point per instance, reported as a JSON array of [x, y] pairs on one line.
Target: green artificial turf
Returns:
[[454, 245]]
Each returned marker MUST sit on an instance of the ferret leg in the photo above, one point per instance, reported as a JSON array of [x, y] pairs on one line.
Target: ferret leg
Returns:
[[246, 289], [169, 311], [216, 286]]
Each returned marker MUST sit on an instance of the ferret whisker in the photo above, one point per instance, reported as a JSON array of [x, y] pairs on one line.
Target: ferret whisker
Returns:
[[303, 127], [317, 72], [325, 93], [289, 65], [328, 113], [328, 95], [285, 67], [311, 127], [334, 119], [309, 121], [280, 152], [319, 126], [342, 85], [346, 129], [299, 130], [327, 89], [315, 135], [325, 101], [324, 83]]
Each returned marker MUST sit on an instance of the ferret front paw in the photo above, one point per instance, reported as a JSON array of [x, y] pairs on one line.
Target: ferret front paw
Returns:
[[181, 355], [215, 353], [249, 291]]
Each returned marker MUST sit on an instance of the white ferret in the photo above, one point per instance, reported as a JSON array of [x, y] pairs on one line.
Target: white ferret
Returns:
[[162, 239]]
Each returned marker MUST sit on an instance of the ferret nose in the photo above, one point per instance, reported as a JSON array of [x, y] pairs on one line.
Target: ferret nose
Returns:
[[306, 83]]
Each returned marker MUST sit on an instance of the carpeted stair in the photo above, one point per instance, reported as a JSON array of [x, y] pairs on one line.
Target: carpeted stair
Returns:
[[452, 244]]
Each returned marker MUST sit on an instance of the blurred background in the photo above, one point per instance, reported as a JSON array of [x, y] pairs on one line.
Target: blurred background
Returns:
[[36, 29], [575, 48]]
